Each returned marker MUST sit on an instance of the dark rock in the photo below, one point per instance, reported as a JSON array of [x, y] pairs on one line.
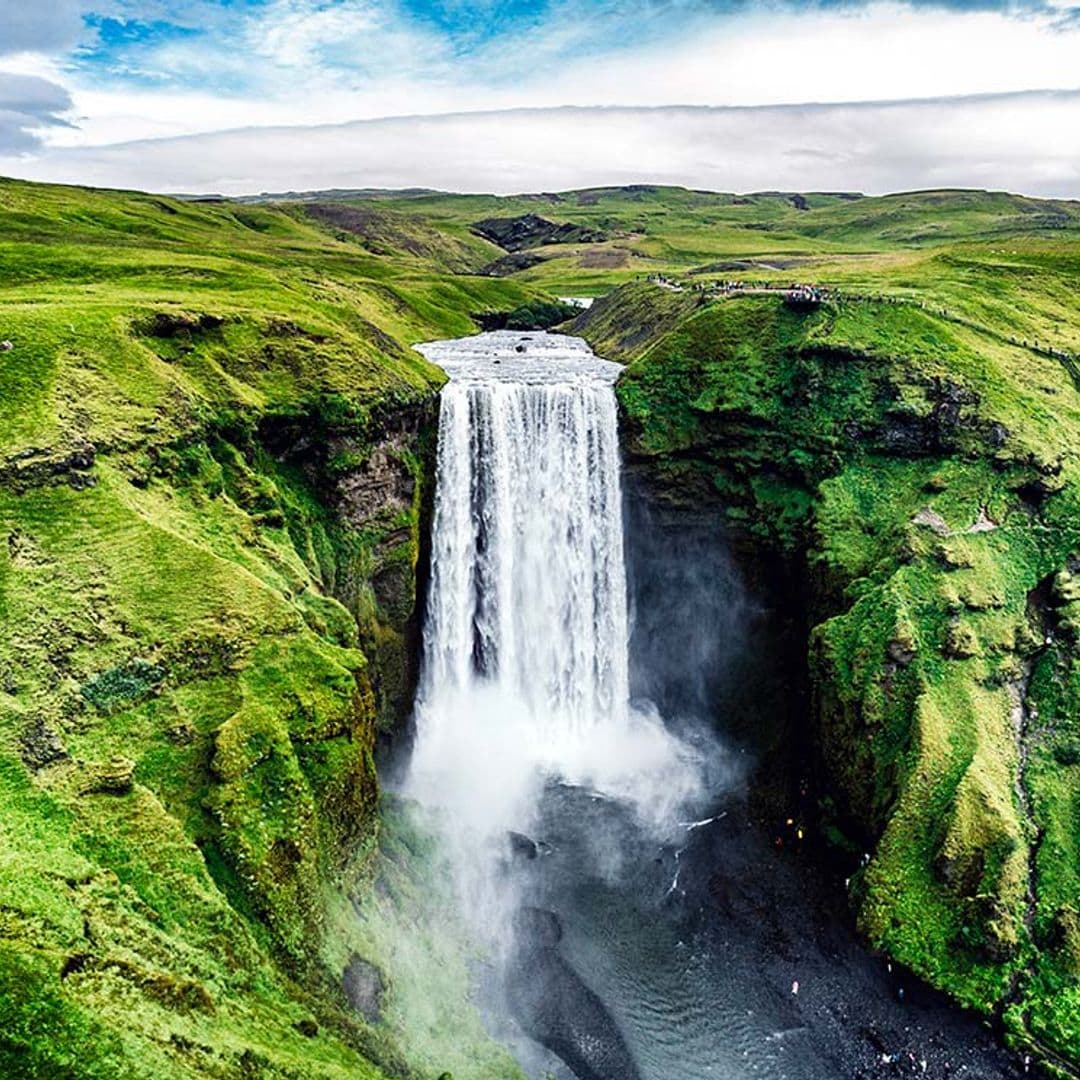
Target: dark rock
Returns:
[[536, 928], [308, 1028], [363, 986], [522, 846], [556, 1008], [35, 467], [530, 230], [901, 653], [381, 485], [75, 963], [41, 746], [178, 324]]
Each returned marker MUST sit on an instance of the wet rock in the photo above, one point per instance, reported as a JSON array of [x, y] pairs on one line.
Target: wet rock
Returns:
[[556, 1008], [382, 485], [522, 846], [536, 928], [41, 746], [362, 984]]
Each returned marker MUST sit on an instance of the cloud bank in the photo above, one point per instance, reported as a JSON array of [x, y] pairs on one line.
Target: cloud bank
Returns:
[[1024, 142], [245, 95]]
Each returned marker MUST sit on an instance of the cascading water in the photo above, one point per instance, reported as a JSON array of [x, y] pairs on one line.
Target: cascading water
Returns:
[[525, 668], [525, 682], [529, 589]]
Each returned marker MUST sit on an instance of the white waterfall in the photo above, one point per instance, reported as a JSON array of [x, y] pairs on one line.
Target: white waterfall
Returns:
[[525, 666]]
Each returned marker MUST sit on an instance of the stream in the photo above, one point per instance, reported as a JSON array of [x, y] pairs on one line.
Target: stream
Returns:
[[640, 923]]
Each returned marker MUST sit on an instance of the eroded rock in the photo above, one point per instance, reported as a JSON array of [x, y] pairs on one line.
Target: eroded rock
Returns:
[[40, 746], [363, 986]]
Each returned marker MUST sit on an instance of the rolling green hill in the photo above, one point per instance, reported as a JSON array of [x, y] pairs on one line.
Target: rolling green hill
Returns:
[[215, 471]]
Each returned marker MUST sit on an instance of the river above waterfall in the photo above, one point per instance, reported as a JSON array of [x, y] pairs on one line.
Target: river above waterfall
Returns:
[[638, 920]]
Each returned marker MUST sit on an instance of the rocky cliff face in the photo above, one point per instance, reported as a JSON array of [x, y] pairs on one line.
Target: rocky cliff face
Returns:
[[917, 486]]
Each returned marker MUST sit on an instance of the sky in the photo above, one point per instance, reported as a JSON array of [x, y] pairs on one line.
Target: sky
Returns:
[[243, 96]]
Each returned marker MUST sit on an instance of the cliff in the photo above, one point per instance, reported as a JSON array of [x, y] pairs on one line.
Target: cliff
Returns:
[[917, 479], [215, 455]]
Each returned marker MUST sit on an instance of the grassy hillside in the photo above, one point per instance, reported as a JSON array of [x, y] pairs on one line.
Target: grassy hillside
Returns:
[[923, 479], [774, 236], [214, 454]]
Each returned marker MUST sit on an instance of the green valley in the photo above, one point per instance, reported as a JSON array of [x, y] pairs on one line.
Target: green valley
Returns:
[[216, 485]]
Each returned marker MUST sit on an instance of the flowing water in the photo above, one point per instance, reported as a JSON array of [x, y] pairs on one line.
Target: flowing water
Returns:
[[525, 669], [640, 926]]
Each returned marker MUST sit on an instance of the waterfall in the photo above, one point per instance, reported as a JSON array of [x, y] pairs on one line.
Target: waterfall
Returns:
[[525, 664], [528, 586]]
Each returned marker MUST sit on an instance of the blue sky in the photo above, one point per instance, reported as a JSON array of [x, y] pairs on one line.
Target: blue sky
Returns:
[[80, 80]]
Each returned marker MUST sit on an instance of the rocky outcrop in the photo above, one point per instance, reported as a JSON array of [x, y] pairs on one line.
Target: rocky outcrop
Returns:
[[516, 234]]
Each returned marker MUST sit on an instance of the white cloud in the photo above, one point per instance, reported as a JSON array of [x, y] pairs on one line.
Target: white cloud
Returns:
[[1027, 142], [305, 63], [308, 63]]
